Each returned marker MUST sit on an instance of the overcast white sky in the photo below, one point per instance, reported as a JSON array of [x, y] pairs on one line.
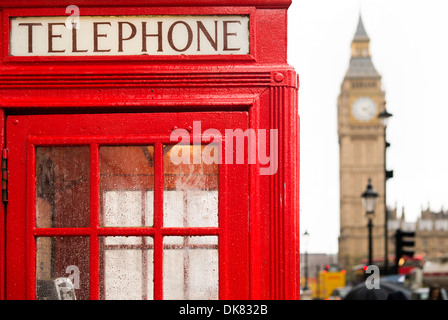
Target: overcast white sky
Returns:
[[409, 47]]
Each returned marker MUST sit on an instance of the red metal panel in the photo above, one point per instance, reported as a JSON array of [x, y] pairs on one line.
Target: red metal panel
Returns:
[[94, 224], [261, 84], [2, 220], [29, 218], [158, 222], [279, 286], [26, 132], [271, 24]]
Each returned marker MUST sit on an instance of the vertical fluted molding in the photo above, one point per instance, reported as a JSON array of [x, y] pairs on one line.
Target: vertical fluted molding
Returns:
[[285, 196]]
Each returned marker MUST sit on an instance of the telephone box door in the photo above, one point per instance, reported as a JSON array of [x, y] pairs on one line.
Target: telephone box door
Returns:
[[126, 206]]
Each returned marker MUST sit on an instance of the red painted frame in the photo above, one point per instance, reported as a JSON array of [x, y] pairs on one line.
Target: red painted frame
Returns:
[[26, 133], [266, 88]]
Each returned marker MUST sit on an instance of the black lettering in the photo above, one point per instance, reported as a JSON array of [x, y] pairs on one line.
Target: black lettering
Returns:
[[158, 35], [30, 34], [202, 28], [226, 34], [51, 36], [75, 39], [120, 34], [189, 39], [96, 36]]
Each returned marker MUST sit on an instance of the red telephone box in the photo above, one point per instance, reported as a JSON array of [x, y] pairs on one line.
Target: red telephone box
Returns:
[[150, 150]]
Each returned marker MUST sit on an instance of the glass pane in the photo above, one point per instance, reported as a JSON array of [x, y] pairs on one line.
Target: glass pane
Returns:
[[62, 185], [128, 208], [126, 186], [62, 268], [190, 268], [190, 197], [127, 268]]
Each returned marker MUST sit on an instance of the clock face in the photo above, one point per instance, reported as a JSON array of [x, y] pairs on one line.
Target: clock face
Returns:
[[364, 109]]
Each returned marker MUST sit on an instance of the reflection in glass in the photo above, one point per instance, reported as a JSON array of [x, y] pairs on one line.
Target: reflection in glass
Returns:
[[127, 268], [61, 262], [190, 268], [62, 182], [190, 196], [126, 186]]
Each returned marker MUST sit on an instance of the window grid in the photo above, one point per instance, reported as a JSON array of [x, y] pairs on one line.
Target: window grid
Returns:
[[158, 232]]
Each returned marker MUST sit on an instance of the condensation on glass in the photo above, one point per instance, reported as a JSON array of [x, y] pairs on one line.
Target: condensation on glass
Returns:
[[126, 186], [190, 268], [190, 199], [127, 267], [190, 188], [62, 268], [62, 200], [62, 187]]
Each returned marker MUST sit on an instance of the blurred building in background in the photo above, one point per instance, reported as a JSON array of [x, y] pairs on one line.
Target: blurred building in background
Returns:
[[362, 147], [361, 152], [431, 232]]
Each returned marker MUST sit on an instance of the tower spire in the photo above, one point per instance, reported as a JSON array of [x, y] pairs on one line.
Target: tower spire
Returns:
[[361, 34], [360, 63]]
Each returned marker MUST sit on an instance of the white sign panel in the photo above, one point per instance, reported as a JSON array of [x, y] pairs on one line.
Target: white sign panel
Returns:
[[129, 35]]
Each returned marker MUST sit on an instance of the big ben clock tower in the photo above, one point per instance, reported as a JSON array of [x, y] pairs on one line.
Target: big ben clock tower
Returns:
[[361, 152]]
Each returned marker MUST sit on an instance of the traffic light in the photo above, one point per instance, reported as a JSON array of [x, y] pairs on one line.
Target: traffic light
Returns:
[[401, 243]]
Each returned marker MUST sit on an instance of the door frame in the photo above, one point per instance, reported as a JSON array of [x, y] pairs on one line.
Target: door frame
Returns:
[[27, 132]]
